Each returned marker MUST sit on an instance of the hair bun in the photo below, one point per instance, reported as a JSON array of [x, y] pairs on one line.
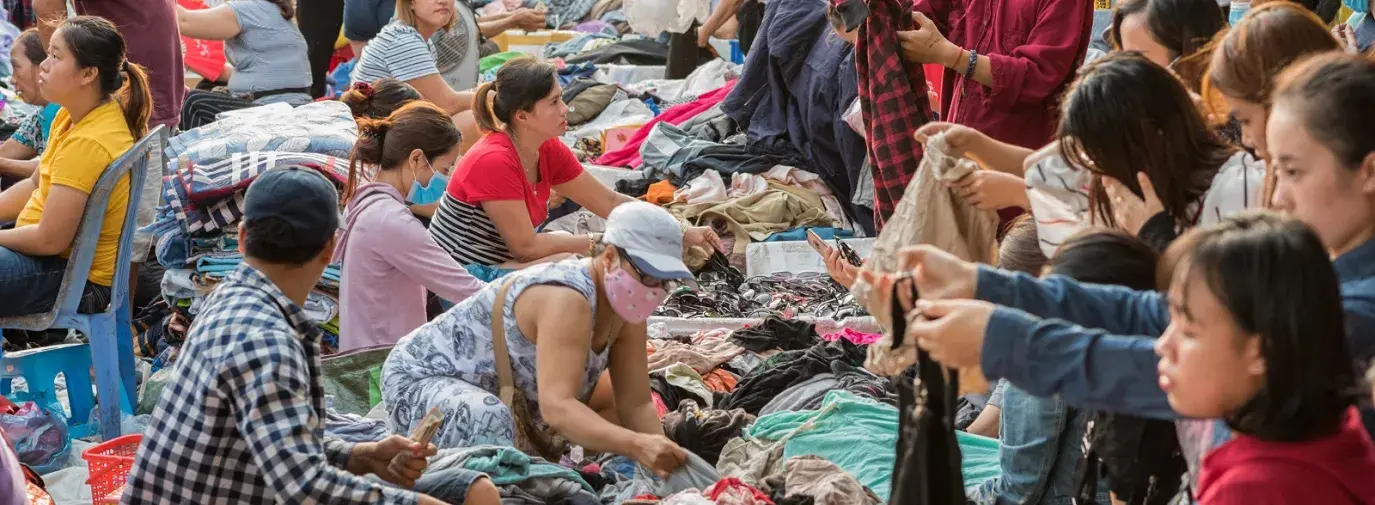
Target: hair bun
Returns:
[[376, 129], [366, 89]]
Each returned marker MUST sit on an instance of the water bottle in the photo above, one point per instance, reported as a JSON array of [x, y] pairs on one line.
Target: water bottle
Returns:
[[1237, 11]]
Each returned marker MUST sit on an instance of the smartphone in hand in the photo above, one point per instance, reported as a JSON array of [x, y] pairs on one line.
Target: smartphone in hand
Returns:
[[817, 243]]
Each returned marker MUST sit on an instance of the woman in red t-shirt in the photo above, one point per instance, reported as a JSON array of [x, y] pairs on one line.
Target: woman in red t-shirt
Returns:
[[500, 191]]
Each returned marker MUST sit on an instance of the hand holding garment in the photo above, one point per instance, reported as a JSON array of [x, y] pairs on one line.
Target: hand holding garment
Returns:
[[893, 98], [929, 471], [705, 431], [929, 213]]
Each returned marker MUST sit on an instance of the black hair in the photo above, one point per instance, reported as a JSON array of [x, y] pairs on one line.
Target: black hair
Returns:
[[1112, 257], [378, 99], [1185, 27], [95, 42], [1126, 115], [273, 240], [387, 143], [520, 84], [1275, 278], [32, 45]]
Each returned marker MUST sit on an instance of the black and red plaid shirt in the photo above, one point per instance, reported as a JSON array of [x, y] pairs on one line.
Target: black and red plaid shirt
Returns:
[[893, 100]]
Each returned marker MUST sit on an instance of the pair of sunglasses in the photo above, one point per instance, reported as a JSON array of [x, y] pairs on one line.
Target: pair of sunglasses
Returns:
[[646, 279]]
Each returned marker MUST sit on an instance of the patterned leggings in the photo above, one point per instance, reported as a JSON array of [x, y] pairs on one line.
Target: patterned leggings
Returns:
[[472, 416]]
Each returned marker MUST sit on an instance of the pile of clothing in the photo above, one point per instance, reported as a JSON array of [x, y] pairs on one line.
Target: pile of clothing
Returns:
[[723, 292], [197, 228], [737, 401], [593, 16]]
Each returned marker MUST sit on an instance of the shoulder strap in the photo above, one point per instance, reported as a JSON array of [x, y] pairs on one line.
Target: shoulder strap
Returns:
[[505, 380]]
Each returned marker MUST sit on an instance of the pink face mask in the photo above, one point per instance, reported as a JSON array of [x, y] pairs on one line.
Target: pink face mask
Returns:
[[633, 301]]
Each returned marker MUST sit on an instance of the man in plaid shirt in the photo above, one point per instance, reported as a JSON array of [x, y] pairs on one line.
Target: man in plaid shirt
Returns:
[[242, 423]]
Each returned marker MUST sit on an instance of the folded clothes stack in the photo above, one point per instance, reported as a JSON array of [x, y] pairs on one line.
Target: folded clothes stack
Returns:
[[210, 170]]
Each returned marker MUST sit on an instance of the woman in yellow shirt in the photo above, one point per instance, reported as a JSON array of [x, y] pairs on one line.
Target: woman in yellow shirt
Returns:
[[105, 107]]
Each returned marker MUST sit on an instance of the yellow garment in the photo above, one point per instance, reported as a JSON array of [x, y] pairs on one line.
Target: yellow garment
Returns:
[[76, 157], [755, 217]]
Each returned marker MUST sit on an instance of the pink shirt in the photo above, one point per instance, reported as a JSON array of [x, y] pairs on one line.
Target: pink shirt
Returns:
[[389, 260]]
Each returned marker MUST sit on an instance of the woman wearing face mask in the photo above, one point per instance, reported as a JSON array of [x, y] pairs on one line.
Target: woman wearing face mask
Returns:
[[575, 318], [501, 189], [389, 260], [19, 155], [1321, 149], [1255, 311]]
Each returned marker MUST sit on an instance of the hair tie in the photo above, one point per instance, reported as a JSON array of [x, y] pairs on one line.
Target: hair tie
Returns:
[[365, 88]]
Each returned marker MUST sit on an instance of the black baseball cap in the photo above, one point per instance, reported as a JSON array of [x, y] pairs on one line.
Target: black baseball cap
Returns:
[[301, 197]]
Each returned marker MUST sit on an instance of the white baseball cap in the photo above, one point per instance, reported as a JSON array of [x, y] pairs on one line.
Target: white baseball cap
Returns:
[[651, 237]]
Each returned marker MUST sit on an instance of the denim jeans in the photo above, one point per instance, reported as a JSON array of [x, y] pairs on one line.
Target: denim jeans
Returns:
[[1042, 443], [29, 285]]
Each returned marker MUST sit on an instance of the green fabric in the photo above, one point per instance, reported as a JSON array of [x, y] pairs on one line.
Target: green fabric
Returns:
[[374, 386], [861, 436], [979, 459], [857, 434], [496, 60], [348, 378], [331, 326], [506, 466], [151, 391]]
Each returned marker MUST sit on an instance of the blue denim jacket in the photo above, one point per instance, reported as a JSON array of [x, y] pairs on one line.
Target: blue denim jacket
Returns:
[[1041, 445], [1111, 367]]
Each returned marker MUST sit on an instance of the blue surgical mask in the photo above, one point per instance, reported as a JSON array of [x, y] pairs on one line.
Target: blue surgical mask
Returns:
[[428, 193], [1239, 10]]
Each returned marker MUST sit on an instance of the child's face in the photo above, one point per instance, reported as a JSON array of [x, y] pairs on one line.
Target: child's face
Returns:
[[1209, 367]]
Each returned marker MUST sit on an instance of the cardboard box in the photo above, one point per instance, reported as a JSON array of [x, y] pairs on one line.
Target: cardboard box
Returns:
[[615, 138], [531, 43]]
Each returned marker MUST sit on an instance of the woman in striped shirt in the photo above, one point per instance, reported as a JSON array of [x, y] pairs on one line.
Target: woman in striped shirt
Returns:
[[501, 188]]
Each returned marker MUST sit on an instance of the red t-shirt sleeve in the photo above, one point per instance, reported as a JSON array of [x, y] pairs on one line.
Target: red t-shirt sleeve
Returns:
[[563, 164], [490, 176]]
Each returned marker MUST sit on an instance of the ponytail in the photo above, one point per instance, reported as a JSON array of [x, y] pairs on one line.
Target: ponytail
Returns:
[[96, 43], [136, 99], [520, 84], [372, 136], [482, 110], [387, 143]]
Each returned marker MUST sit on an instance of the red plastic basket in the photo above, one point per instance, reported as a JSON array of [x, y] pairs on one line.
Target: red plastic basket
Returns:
[[110, 463]]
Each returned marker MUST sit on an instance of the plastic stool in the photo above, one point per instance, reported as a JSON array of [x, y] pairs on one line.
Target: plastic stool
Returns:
[[39, 368]]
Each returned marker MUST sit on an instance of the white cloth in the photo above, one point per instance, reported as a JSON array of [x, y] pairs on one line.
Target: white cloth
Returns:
[[743, 184], [706, 188], [652, 17], [627, 74], [707, 77]]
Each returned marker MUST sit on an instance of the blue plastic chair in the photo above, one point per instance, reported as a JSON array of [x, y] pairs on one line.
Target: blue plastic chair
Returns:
[[112, 342]]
